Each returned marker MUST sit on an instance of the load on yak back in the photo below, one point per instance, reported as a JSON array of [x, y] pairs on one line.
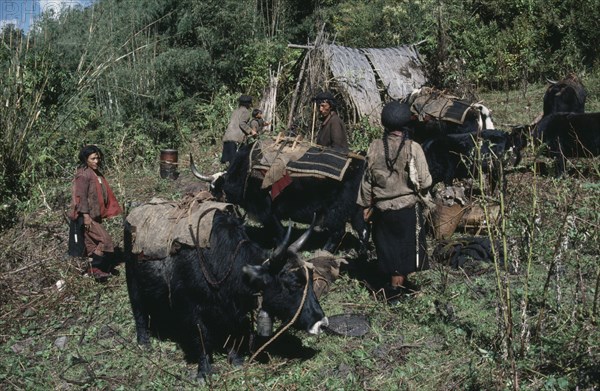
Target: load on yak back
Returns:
[[291, 178], [198, 286]]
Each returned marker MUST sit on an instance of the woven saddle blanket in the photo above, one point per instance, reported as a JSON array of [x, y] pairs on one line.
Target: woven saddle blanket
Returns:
[[434, 103], [160, 227], [320, 162], [271, 161]]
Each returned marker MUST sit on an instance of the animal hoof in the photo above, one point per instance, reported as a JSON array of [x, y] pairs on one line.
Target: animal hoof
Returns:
[[144, 343], [235, 360]]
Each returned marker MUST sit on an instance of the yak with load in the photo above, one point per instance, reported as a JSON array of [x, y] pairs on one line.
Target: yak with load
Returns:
[[315, 181], [193, 276], [438, 114], [458, 138]]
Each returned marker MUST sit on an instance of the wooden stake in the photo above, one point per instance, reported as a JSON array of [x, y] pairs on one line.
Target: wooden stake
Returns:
[[312, 131]]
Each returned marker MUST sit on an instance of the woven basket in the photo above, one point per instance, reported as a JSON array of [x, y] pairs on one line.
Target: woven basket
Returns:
[[445, 219], [474, 218]]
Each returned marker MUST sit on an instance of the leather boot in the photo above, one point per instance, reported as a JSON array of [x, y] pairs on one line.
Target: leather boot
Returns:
[[111, 260], [98, 269]]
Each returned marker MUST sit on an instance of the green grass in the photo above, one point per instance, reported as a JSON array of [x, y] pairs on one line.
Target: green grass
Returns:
[[450, 335]]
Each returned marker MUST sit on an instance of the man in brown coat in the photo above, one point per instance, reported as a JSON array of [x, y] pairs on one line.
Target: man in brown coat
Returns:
[[238, 129], [332, 132]]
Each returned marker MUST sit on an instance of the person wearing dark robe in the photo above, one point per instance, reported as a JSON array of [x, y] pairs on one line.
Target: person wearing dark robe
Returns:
[[395, 182], [332, 132]]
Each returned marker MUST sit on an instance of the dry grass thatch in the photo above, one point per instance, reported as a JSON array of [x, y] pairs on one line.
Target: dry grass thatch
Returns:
[[361, 78]]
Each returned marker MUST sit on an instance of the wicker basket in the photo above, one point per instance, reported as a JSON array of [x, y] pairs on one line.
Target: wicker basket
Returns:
[[474, 218], [445, 219]]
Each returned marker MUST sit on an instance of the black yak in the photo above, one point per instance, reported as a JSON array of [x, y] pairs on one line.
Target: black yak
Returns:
[[202, 297], [333, 201]]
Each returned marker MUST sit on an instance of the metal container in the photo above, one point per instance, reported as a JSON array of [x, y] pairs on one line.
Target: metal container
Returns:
[[168, 164], [264, 324]]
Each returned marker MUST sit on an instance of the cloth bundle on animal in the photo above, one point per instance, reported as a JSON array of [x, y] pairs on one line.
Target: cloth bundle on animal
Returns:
[[269, 158], [439, 105], [160, 226], [458, 251], [326, 269], [272, 161]]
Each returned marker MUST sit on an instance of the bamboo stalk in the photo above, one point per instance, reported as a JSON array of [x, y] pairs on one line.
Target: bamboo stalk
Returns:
[[296, 89], [314, 118]]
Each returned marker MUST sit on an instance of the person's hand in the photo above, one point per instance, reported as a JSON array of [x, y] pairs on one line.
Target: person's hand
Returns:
[[253, 133], [367, 213], [87, 221]]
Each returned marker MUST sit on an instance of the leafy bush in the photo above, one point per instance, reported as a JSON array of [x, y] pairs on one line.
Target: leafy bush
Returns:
[[362, 134], [495, 44], [213, 117]]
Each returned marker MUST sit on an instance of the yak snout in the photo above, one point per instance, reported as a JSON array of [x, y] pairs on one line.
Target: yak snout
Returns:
[[318, 327]]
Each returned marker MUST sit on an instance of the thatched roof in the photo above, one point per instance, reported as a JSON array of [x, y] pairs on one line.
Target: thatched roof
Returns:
[[362, 79], [353, 73], [356, 71], [400, 69]]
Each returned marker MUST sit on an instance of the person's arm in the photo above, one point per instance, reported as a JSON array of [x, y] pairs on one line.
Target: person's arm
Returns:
[[421, 166], [87, 220], [244, 125], [338, 135], [81, 187], [255, 126], [247, 129], [365, 192]]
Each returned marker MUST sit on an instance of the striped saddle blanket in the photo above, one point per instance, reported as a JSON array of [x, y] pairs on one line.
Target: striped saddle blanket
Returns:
[[320, 162]]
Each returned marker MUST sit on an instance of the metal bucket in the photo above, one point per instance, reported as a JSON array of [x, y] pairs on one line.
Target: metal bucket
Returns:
[[168, 164]]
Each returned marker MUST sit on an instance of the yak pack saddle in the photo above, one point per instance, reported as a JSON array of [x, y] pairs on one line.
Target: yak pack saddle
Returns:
[[277, 162]]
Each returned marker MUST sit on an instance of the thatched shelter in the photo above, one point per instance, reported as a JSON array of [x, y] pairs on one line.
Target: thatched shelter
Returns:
[[361, 79]]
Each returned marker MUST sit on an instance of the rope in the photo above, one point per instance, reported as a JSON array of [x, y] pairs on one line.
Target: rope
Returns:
[[207, 275], [418, 232], [289, 324]]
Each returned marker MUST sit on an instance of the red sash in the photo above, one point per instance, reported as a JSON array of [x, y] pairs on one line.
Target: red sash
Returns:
[[112, 207]]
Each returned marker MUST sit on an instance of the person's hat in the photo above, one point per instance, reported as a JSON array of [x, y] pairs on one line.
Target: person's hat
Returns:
[[395, 115], [325, 96], [245, 99]]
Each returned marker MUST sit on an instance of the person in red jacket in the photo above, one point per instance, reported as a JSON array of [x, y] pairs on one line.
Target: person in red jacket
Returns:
[[93, 200]]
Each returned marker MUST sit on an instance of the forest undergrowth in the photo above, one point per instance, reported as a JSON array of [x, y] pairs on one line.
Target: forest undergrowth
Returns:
[[528, 321]]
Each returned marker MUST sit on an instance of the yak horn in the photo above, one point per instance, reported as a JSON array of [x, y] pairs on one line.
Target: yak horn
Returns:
[[551, 81], [280, 250], [197, 174], [297, 245]]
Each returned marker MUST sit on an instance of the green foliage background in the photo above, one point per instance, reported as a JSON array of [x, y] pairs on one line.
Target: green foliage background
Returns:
[[136, 76]]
